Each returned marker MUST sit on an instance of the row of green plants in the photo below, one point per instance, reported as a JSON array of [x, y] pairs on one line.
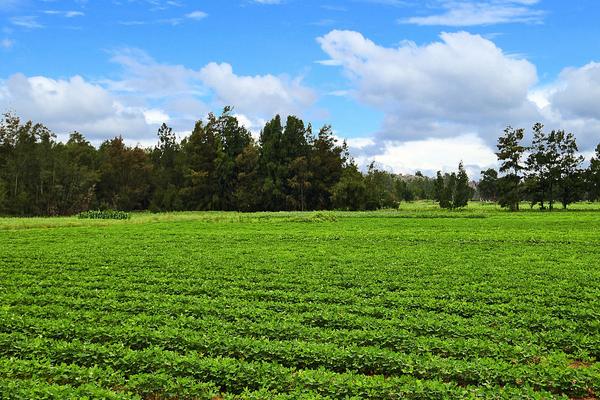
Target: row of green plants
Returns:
[[104, 214]]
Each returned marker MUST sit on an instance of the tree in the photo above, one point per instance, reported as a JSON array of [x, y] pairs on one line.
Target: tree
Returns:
[[593, 177], [248, 185], [167, 177], [80, 174], [201, 151], [350, 192], [488, 185], [326, 163], [272, 170], [442, 193], [380, 189], [570, 176], [510, 152], [124, 176], [462, 191]]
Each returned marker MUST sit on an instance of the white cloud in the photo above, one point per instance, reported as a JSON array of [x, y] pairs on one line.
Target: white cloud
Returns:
[[462, 83], [254, 125], [66, 14], [197, 15], [26, 21], [570, 103], [359, 143], [73, 104], [142, 74], [268, 1], [430, 155], [148, 93], [260, 95], [472, 13], [156, 116], [577, 94]]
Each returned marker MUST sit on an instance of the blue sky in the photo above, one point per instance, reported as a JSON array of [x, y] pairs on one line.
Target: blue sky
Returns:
[[410, 84]]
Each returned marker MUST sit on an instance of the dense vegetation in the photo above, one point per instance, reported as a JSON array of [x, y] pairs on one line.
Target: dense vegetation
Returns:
[[221, 167], [218, 167], [422, 303]]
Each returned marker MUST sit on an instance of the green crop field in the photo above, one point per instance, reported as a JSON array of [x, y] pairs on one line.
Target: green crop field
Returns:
[[417, 303]]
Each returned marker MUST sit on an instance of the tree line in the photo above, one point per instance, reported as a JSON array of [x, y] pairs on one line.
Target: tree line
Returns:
[[547, 171], [219, 166]]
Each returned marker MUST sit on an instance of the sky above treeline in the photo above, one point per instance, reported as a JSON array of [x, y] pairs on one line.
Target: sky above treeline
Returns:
[[412, 85]]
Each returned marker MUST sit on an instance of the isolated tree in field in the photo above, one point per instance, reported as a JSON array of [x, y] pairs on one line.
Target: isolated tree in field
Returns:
[[570, 176], [593, 177], [488, 185], [510, 153]]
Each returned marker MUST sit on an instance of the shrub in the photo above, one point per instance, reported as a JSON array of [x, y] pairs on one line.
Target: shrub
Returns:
[[104, 214]]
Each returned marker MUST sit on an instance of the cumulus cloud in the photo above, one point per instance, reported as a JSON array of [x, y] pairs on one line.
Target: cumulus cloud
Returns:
[[570, 103], [438, 89], [472, 13], [147, 93], [260, 95], [449, 100], [73, 104], [577, 94], [428, 155]]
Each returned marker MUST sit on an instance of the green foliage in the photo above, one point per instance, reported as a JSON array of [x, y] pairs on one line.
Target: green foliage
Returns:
[[510, 154], [103, 214], [220, 167], [593, 177], [453, 191], [488, 185], [420, 304]]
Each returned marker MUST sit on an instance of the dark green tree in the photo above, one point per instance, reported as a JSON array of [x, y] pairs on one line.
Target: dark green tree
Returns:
[[441, 194], [167, 177], [125, 176], [326, 163], [593, 177], [571, 181], [510, 153], [488, 185], [463, 192], [350, 192]]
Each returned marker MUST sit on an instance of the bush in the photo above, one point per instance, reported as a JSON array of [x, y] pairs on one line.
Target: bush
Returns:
[[106, 214]]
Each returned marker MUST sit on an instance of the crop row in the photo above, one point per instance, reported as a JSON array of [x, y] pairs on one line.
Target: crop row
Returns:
[[550, 373], [236, 376], [391, 333]]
